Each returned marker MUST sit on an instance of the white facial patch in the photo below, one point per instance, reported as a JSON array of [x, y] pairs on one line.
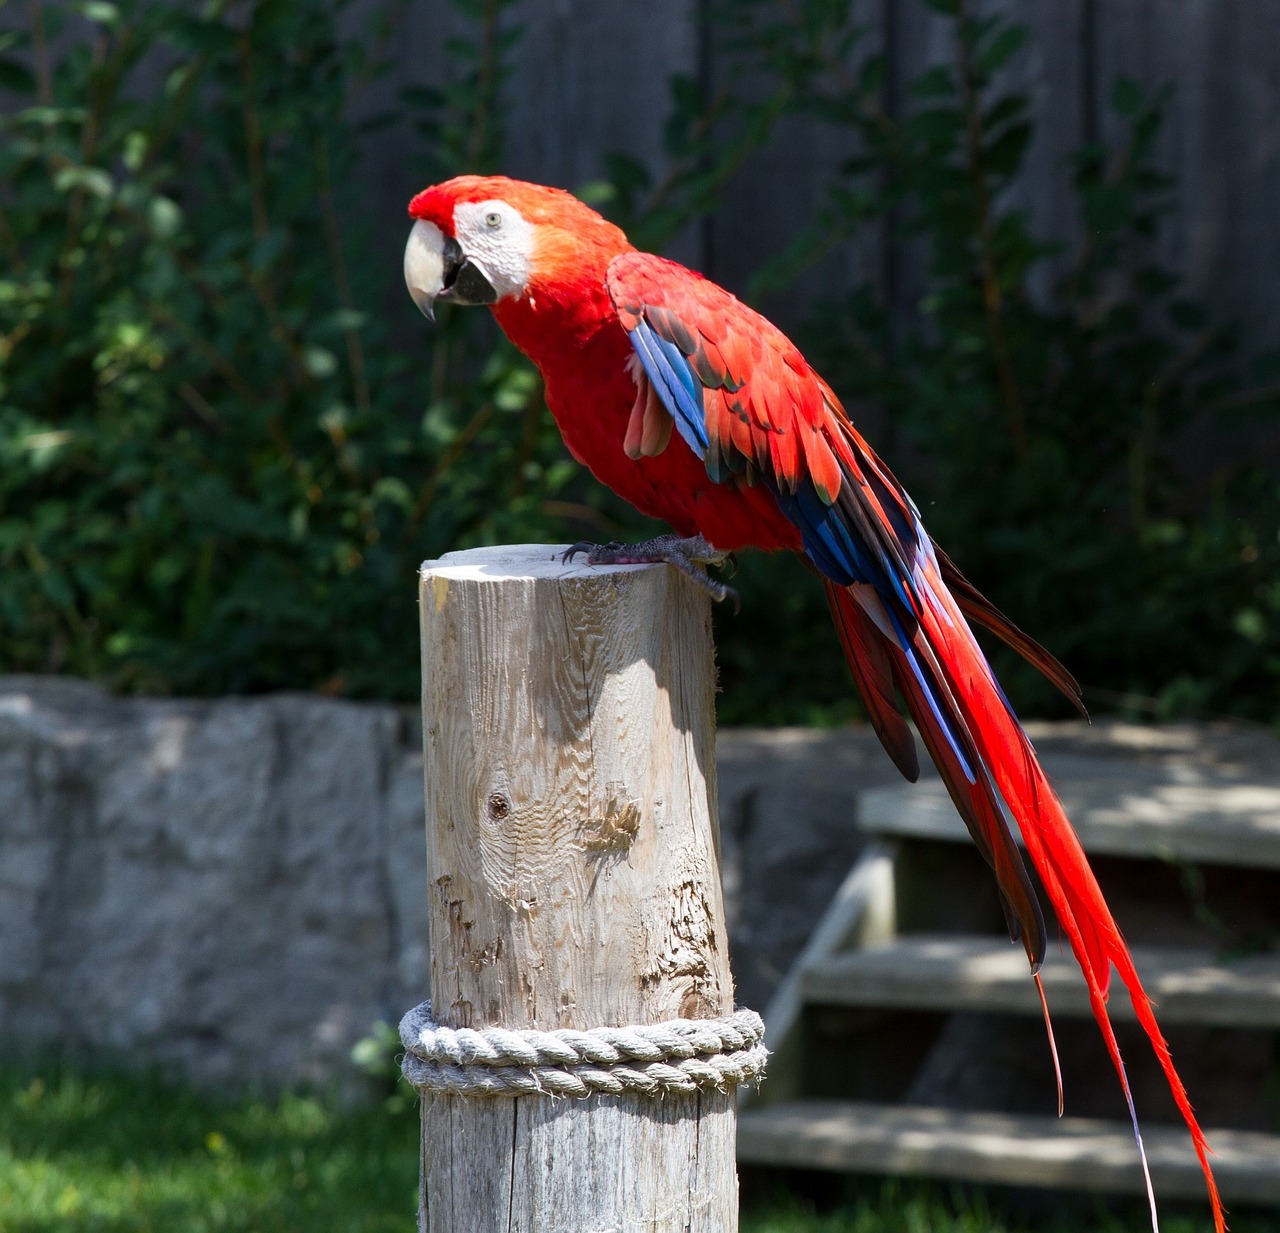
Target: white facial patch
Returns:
[[498, 240]]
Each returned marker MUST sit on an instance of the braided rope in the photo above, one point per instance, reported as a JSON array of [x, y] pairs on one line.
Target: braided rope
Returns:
[[681, 1055]]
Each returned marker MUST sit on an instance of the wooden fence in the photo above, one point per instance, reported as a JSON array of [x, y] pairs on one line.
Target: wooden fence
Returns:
[[592, 76]]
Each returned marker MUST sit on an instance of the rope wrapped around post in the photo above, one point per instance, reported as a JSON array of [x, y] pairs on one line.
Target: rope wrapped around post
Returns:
[[680, 1055]]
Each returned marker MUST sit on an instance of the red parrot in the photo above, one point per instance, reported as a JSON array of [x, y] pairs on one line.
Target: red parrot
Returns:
[[700, 412]]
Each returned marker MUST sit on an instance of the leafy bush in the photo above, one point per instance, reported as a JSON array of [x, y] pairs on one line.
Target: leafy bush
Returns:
[[1041, 422], [218, 474]]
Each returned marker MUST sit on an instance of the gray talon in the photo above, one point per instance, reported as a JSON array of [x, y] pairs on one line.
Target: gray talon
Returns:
[[688, 555]]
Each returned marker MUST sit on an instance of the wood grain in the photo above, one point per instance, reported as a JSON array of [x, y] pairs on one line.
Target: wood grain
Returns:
[[978, 973], [1008, 1149], [573, 881]]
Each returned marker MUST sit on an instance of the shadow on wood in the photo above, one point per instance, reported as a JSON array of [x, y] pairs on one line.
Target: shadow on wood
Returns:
[[573, 881]]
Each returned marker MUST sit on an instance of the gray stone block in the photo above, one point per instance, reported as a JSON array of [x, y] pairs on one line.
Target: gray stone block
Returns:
[[230, 888], [235, 888]]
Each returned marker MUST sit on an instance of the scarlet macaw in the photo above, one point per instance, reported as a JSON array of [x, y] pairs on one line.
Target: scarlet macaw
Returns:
[[698, 411]]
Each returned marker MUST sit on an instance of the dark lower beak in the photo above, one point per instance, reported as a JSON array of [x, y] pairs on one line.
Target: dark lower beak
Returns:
[[464, 281]]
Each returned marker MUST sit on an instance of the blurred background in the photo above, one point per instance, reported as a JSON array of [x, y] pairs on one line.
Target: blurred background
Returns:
[[1033, 246]]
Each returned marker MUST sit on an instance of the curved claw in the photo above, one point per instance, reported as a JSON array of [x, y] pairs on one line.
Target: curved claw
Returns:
[[686, 555], [585, 545]]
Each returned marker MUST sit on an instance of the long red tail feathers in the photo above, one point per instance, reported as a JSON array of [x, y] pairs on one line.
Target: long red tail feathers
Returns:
[[866, 649], [868, 660], [1053, 1044], [994, 743]]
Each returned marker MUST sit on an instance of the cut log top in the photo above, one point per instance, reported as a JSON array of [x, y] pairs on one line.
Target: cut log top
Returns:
[[509, 562]]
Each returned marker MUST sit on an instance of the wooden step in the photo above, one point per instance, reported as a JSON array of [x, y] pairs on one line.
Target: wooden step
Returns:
[[1118, 809], [1072, 1153], [935, 972]]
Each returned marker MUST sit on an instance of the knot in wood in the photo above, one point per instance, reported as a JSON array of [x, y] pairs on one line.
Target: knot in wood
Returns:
[[498, 805]]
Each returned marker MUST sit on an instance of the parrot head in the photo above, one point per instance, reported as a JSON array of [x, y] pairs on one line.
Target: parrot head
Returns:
[[485, 239]]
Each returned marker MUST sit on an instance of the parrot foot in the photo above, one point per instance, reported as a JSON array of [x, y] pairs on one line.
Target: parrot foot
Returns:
[[688, 555]]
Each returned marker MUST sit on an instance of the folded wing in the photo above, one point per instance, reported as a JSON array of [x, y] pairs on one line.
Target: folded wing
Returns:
[[742, 397]]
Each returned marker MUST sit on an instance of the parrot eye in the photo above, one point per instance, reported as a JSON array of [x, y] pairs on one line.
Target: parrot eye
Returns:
[[493, 220]]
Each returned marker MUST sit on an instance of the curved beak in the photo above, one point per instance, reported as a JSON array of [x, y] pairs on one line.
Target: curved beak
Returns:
[[435, 268]]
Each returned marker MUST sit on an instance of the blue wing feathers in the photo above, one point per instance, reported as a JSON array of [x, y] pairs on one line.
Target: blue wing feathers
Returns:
[[677, 384], [845, 539], [930, 690], [827, 542]]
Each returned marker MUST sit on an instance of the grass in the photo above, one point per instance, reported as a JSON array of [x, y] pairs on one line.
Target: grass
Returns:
[[110, 1152], [916, 1207], [113, 1153]]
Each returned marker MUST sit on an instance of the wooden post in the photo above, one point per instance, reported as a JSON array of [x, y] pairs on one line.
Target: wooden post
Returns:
[[573, 883]]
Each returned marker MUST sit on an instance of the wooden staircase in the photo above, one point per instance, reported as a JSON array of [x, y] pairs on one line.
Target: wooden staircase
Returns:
[[914, 937]]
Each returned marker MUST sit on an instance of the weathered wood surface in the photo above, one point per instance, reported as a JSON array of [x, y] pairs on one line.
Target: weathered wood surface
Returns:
[[1221, 143], [863, 912], [1015, 1150], [1169, 809], [572, 881], [945, 972]]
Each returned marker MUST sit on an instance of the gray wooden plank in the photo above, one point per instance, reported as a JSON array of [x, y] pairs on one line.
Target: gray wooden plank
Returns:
[[1049, 69], [1016, 1150], [592, 78], [862, 911], [788, 799], [1209, 794], [776, 193], [932, 972], [1153, 818], [567, 102], [1221, 141]]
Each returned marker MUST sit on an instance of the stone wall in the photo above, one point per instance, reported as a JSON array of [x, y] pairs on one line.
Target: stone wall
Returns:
[[232, 888], [235, 888]]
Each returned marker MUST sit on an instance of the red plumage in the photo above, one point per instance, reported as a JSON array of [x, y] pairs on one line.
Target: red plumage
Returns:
[[698, 411]]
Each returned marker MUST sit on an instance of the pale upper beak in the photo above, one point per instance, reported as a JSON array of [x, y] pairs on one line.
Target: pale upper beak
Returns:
[[424, 266], [435, 267]]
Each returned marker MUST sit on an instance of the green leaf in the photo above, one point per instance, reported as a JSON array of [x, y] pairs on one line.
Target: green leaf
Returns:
[[99, 11], [1006, 43], [935, 82], [16, 77], [92, 180], [349, 319], [135, 150], [1126, 96], [164, 217], [320, 363], [597, 193]]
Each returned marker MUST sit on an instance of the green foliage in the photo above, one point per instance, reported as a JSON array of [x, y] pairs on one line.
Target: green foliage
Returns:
[[895, 1206], [132, 1154], [85, 1151], [1040, 391], [217, 471]]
